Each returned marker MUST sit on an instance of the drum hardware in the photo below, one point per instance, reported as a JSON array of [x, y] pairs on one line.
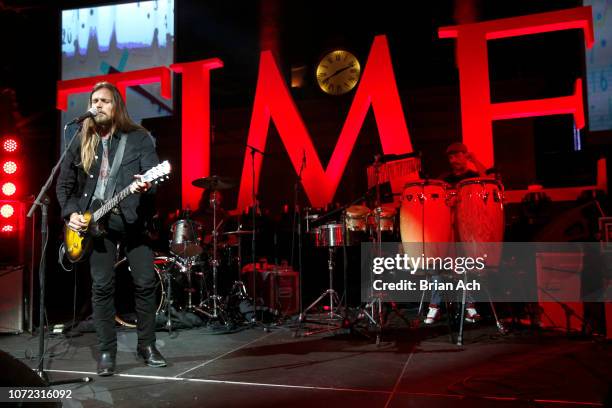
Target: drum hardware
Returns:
[[332, 236], [332, 241], [168, 273], [184, 267], [373, 309], [310, 217], [239, 233], [254, 209], [212, 306]]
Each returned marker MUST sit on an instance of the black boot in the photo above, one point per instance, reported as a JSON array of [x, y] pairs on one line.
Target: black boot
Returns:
[[151, 355], [106, 363]]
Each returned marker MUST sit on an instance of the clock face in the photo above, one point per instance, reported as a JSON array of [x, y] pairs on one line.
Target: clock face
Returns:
[[338, 72]]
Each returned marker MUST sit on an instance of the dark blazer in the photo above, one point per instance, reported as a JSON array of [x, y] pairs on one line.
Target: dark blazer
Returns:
[[75, 187]]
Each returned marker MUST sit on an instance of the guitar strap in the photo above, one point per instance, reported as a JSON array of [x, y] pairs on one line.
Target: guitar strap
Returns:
[[112, 177]]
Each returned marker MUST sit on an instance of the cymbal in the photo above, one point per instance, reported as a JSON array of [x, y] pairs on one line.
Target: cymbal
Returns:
[[238, 232], [214, 183]]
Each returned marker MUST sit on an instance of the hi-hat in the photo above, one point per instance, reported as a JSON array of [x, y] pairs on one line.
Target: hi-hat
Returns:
[[214, 183]]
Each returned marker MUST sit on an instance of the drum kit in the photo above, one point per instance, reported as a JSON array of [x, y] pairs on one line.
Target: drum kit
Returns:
[[429, 214], [188, 278]]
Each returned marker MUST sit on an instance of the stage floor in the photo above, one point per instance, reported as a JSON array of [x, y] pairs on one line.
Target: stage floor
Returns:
[[410, 368]]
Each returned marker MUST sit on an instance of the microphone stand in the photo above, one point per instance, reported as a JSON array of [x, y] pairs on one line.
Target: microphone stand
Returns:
[[297, 216], [42, 201], [253, 236]]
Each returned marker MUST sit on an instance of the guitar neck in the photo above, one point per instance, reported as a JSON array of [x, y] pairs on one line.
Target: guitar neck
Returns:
[[102, 211]]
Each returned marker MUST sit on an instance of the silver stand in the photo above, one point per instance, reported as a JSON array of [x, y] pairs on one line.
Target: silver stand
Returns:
[[42, 202], [334, 302], [373, 309], [213, 305]]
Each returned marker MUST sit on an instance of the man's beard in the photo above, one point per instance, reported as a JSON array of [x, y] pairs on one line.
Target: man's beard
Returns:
[[103, 121]]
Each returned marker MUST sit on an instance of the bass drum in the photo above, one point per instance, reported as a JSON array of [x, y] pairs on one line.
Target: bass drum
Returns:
[[124, 288]]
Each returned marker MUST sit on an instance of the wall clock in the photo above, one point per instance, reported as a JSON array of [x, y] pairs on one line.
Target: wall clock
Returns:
[[338, 72]]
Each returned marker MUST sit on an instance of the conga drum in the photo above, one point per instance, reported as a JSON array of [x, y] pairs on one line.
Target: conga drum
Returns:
[[425, 219], [355, 219], [387, 221], [479, 218]]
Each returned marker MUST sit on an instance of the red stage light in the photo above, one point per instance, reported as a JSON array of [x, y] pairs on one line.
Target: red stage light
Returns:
[[7, 210], [8, 189], [10, 145], [8, 228], [9, 167]]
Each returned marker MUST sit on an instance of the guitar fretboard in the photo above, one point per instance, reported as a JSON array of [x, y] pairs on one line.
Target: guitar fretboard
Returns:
[[102, 211]]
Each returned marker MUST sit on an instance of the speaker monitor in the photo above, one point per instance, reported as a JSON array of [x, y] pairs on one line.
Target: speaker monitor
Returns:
[[11, 299]]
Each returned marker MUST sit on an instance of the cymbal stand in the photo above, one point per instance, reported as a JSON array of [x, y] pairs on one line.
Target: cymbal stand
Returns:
[[216, 311], [239, 289]]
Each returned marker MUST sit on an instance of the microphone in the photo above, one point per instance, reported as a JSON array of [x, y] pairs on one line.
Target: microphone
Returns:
[[254, 149], [89, 114]]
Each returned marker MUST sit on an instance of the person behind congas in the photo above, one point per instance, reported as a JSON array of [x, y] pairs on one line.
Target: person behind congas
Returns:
[[459, 159]]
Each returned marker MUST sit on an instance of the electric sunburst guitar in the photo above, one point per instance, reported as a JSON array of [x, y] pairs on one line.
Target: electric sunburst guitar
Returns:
[[78, 244]]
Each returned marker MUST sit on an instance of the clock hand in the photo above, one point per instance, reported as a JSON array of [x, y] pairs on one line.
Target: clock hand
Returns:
[[339, 71]]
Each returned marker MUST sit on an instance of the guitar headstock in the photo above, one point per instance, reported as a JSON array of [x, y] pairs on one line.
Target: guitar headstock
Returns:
[[158, 173]]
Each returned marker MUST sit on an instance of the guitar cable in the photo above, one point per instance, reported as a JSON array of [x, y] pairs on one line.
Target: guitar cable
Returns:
[[60, 258]]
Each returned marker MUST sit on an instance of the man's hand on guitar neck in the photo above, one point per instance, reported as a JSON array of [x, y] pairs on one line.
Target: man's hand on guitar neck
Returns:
[[77, 222], [139, 186]]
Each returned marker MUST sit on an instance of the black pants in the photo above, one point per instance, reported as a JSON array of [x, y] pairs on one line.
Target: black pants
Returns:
[[102, 260]]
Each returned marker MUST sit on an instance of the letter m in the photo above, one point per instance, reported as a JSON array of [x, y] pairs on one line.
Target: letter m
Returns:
[[274, 102]]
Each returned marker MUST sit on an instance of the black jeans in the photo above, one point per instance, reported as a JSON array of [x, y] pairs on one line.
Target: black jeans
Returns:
[[102, 260]]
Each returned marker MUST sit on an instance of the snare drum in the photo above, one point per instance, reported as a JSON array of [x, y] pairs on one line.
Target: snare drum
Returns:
[[186, 238], [329, 235]]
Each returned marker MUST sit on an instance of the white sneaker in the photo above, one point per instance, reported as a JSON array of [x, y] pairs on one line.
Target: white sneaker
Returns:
[[471, 314], [433, 314]]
